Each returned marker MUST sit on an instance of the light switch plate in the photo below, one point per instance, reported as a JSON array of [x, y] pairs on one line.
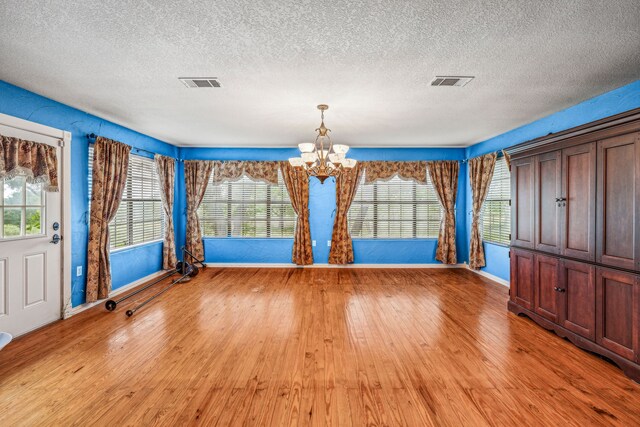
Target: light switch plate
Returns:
[[79, 270], [313, 243], [329, 243]]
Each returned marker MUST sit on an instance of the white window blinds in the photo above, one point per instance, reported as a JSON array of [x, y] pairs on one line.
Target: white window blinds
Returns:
[[247, 208], [140, 217], [395, 209], [496, 210]]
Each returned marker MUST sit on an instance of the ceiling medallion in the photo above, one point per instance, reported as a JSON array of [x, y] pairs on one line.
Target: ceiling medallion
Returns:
[[322, 158]]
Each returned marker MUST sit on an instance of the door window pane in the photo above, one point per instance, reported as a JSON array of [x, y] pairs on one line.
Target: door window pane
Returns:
[[33, 221], [12, 222], [34, 194], [14, 191]]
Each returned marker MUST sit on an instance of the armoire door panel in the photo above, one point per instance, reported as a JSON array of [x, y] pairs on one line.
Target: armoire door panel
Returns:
[[578, 201], [546, 287], [617, 229], [618, 312], [522, 190], [577, 285], [547, 193], [522, 279]]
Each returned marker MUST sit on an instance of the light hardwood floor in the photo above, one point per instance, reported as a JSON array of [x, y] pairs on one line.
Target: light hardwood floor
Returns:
[[270, 347]]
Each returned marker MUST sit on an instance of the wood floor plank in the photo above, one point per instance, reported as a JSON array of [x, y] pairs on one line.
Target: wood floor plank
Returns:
[[306, 347]]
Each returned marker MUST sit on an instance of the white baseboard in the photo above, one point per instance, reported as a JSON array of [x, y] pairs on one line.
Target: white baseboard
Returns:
[[120, 290], [492, 277], [288, 265]]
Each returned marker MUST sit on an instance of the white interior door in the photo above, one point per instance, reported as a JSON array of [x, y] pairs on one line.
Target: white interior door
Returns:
[[30, 254]]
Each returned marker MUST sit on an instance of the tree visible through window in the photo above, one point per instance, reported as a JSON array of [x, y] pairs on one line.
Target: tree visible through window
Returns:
[[496, 210], [395, 209], [247, 208]]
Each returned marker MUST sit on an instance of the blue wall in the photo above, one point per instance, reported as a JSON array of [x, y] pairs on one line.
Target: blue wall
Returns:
[[133, 263], [321, 213], [617, 101], [130, 264]]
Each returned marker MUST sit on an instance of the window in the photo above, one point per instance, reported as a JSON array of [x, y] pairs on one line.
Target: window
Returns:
[[496, 210], [246, 208], [21, 208], [395, 209], [140, 217]]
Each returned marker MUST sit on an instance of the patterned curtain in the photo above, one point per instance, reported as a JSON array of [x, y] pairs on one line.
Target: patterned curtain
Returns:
[[166, 169], [341, 245], [110, 166], [384, 171], [444, 176], [297, 182], [38, 162], [507, 159], [480, 174], [233, 170], [196, 178]]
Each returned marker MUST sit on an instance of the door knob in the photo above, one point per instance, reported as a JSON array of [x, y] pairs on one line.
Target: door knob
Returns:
[[56, 239]]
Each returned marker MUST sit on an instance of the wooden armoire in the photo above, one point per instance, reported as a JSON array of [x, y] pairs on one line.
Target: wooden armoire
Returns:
[[575, 236]]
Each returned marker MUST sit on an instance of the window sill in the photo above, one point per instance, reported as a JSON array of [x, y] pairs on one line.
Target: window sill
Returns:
[[396, 239], [137, 245], [247, 238], [504, 245]]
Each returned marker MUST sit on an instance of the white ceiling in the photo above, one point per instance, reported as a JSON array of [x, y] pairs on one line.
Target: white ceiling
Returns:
[[371, 61]]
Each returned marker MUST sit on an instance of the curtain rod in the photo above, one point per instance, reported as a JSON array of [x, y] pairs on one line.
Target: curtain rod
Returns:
[[92, 137], [499, 154]]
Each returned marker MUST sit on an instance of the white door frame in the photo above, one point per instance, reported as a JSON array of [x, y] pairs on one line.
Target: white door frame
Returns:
[[64, 180]]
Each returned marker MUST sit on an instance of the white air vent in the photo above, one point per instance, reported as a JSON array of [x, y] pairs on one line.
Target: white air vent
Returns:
[[450, 81], [199, 82]]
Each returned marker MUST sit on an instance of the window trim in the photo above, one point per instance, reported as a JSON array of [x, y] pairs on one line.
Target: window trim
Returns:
[[229, 202], [129, 213], [506, 243], [414, 204]]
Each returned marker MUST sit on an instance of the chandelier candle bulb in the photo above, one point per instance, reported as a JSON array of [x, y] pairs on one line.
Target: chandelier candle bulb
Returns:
[[322, 158]]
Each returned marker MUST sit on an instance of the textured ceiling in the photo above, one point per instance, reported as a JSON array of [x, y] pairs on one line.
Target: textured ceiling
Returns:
[[371, 61]]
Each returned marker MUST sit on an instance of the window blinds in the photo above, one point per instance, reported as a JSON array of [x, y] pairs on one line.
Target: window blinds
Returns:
[[140, 217], [496, 210], [247, 208], [395, 209]]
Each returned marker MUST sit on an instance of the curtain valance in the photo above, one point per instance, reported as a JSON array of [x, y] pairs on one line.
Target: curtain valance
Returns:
[[37, 161], [233, 170], [383, 171]]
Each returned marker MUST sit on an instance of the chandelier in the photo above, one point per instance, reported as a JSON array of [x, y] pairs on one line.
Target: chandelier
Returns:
[[322, 158]]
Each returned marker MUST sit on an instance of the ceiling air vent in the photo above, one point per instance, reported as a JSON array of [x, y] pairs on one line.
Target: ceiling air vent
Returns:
[[199, 82], [451, 81]]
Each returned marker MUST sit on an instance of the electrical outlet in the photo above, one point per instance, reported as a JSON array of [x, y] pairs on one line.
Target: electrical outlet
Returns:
[[79, 270], [313, 243], [329, 243]]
